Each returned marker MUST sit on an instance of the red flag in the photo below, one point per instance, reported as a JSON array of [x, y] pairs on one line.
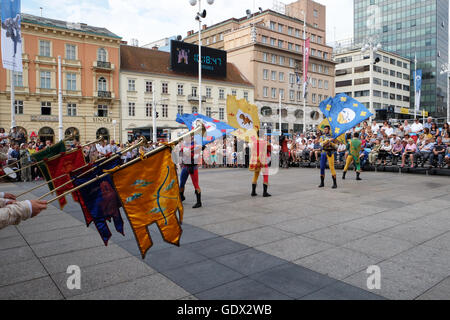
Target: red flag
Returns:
[[63, 165]]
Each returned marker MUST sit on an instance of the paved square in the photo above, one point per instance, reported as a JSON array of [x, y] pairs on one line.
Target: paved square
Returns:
[[301, 243]]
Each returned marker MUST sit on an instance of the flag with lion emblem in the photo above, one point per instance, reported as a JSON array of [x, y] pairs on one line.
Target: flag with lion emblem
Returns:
[[243, 116], [343, 113]]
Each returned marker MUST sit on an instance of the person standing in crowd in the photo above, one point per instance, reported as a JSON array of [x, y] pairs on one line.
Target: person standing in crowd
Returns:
[[13, 136], [410, 150], [25, 161], [354, 148], [329, 148]]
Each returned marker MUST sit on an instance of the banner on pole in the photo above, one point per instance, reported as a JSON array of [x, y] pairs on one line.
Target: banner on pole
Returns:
[[305, 67], [418, 87], [11, 35]]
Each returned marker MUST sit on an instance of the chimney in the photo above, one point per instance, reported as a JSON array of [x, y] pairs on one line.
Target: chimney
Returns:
[[204, 27]]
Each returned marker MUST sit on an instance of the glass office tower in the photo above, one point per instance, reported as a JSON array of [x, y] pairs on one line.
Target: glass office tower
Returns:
[[409, 28]]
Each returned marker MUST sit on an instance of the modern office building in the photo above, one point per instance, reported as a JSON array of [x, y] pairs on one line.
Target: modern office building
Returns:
[[90, 80], [409, 28], [267, 46], [389, 81], [148, 79]]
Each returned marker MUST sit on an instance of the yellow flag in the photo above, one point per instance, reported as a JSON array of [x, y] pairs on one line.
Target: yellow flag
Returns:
[[150, 193], [244, 117], [324, 123]]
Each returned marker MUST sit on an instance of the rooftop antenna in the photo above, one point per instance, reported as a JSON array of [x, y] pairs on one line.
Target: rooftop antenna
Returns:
[[41, 10]]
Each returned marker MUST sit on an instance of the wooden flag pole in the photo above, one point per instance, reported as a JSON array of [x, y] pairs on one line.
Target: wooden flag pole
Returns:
[[39, 186], [143, 140], [174, 142], [52, 158]]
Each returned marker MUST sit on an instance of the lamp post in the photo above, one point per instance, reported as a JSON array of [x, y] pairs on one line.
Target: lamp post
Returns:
[[445, 69], [372, 46], [199, 17]]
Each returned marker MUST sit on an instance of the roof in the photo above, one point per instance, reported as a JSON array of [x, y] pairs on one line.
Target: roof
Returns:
[[28, 18], [145, 60]]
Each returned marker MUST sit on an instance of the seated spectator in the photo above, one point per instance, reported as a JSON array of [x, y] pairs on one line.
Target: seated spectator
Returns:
[[447, 157], [385, 151], [424, 151], [373, 155], [434, 131], [410, 150], [397, 151], [427, 134], [438, 152], [342, 148], [317, 150], [309, 150]]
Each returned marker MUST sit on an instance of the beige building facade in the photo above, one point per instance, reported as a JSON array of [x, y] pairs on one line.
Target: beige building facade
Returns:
[[268, 48]]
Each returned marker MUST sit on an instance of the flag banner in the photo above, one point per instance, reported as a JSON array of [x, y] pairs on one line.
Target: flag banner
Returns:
[[305, 66], [215, 129], [47, 153], [243, 116], [11, 37], [63, 165], [98, 200], [325, 123], [418, 88], [150, 193], [343, 113]]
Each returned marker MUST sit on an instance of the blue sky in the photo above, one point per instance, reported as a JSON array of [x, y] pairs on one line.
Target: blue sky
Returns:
[[150, 20]]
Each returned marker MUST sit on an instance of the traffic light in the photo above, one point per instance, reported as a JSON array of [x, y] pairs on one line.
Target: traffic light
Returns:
[[377, 59], [157, 114]]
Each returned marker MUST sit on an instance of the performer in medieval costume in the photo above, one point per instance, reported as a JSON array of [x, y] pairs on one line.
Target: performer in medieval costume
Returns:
[[329, 148], [260, 150], [354, 149], [190, 168]]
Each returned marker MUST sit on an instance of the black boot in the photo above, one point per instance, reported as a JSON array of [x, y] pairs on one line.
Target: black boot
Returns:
[[199, 200], [322, 182], [265, 194], [357, 176], [343, 175], [182, 196], [334, 183], [254, 190]]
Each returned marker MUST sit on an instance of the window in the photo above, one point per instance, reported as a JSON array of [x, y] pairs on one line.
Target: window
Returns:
[[265, 57], [46, 108], [314, 67], [180, 90], [165, 87], [292, 78], [297, 33], [265, 92], [313, 38], [266, 74], [71, 81], [281, 76], [316, 14], [320, 84], [194, 109], [274, 58], [131, 85], [264, 39], [131, 109], [18, 106], [325, 84], [345, 83], [272, 25], [282, 93], [280, 28], [208, 112], [148, 86], [101, 55], [148, 110], [314, 98], [180, 109], [44, 48], [290, 31], [221, 94], [274, 76], [280, 43], [194, 91], [165, 110], [274, 93], [246, 95], [101, 84], [325, 55], [377, 81], [273, 41], [313, 82], [233, 92], [292, 95], [45, 80], [319, 39], [291, 63], [71, 52], [18, 79], [208, 93], [71, 109], [102, 111], [221, 113]]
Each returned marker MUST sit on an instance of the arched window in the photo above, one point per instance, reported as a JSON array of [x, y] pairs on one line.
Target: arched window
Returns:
[[102, 55], [266, 111], [102, 84], [103, 132], [284, 112], [46, 133], [299, 114], [315, 115], [72, 132]]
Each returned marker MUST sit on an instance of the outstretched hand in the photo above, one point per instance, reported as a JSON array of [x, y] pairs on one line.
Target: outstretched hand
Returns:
[[37, 206]]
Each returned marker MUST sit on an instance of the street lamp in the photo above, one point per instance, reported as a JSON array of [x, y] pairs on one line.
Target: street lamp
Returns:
[[372, 46], [445, 69], [200, 14]]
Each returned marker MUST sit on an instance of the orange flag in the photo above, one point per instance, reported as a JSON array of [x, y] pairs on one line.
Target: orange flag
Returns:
[[150, 193]]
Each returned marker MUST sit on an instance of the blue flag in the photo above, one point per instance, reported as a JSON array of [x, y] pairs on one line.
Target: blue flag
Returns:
[[215, 129], [417, 87], [343, 113], [11, 36], [99, 200]]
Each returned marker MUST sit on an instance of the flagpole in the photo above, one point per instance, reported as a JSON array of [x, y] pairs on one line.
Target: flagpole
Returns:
[[415, 85], [304, 70], [279, 118], [159, 149], [60, 116], [40, 186]]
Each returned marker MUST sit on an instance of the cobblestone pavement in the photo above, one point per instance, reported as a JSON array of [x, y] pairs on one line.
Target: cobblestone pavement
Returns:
[[302, 243]]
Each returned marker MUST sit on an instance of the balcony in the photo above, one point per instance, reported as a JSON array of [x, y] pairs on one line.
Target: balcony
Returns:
[[192, 98], [103, 65], [104, 94]]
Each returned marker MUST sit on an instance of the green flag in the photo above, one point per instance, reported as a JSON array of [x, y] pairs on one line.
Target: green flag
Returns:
[[46, 154]]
